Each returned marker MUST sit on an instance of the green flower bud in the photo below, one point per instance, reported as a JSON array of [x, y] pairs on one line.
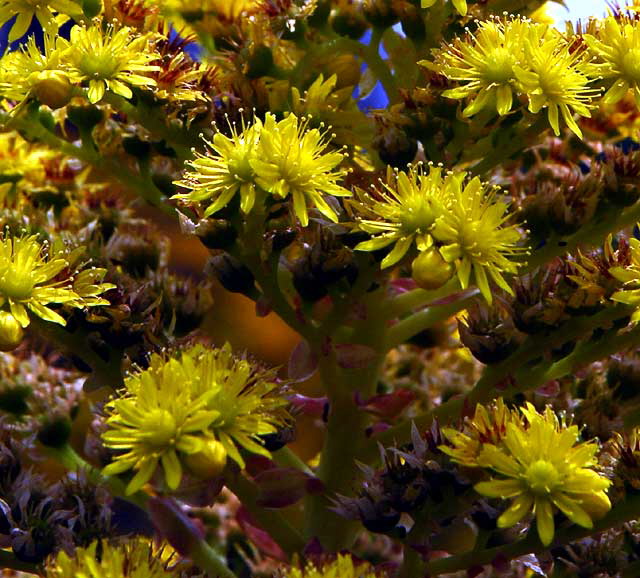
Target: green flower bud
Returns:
[[11, 333], [430, 271]]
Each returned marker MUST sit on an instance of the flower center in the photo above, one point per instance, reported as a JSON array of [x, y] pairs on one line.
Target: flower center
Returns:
[[159, 428], [417, 217], [499, 66], [16, 286], [631, 65], [238, 165], [99, 65], [541, 477]]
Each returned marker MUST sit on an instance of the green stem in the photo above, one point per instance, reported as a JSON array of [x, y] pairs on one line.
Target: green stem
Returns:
[[345, 435], [406, 302], [151, 119], [589, 235], [484, 390], [209, 560], [282, 532], [417, 322], [511, 147], [288, 459], [105, 373], [139, 185]]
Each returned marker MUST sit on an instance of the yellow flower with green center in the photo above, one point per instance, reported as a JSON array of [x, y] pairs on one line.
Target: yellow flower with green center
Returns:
[[617, 46], [342, 567], [630, 276], [284, 159], [137, 558], [43, 10], [556, 77], [404, 212], [459, 5], [473, 235], [41, 74], [485, 62], [21, 162], [541, 469], [32, 278], [220, 174], [109, 59], [291, 162], [193, 410]]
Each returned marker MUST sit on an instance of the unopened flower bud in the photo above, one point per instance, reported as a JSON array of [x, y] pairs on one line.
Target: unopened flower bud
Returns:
[[209, 462], [231, 274], [430, 271], [51, 87], [11, 333], [216, 233]]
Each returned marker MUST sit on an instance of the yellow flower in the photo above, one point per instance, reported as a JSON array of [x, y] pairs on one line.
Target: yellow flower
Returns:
[[193, 411], [542, 469], [459, 5], [630, 276], [283, 158], [342, 567], [291, 162], [485, 62], [111, 59], [466, 224], [555, 76], [618, 48], [30, 71], [219, 176], [30, 279], [486, 426], [43, 10], [137, 558], [473, 235], [404, 212]]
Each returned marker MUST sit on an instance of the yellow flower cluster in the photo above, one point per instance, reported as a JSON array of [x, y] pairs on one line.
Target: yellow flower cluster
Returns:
[[630, 276], [99, 59], [457, 225], [33, 277], [193, 411], [342, 567], [515, 56], [284, 159], [138, 558], [537, 463]]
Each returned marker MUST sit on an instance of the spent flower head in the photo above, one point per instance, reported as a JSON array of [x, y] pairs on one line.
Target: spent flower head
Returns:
[[110, 58], [193, 410], [486, 426], [539, 466]]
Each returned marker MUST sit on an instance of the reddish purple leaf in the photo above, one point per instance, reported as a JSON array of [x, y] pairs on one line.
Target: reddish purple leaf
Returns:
[[303, 362]]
